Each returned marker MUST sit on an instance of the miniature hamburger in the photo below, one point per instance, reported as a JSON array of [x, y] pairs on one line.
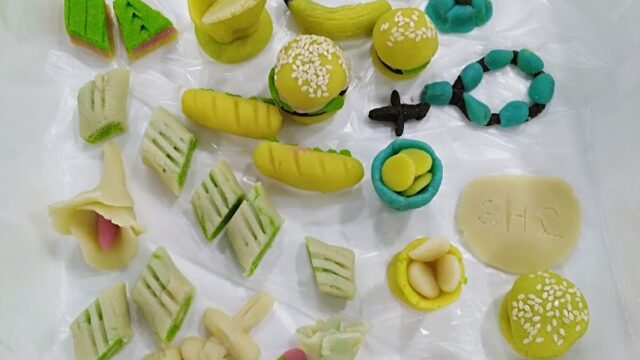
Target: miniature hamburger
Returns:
[[310, 79], [404, 41]]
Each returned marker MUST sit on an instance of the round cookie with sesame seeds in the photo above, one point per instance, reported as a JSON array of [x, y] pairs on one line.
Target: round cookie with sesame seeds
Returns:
[[404, 42], [543, 315], [310, 79]]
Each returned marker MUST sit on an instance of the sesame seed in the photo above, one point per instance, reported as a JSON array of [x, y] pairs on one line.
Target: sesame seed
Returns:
[[562, 332], [548, 328], [560, 342], [539, 286], [539, 340], [526, 341], [578, 328], [554, 322], [536, 318]]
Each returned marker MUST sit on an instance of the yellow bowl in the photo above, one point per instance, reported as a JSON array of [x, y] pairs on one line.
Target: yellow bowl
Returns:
[[398, 280]]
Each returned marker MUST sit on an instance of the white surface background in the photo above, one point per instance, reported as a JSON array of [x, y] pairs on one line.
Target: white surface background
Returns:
[[588, 136]]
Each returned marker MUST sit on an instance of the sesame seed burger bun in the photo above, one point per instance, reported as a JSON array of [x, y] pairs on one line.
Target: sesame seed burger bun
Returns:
[[310, 78], [404, 40]]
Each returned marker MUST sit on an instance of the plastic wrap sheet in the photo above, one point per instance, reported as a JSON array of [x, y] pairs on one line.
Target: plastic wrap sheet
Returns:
[[46, 283]]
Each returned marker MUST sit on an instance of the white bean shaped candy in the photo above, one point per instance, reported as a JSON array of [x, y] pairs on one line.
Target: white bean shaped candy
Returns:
[[422, 279], [431, 250], [448, 273]]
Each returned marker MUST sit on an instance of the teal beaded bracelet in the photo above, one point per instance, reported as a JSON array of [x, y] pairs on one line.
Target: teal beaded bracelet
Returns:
[[513, 113]]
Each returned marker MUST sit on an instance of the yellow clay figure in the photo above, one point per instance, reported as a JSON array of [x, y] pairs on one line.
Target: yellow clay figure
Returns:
[[226, 20], [421, 159], [231, 31], [398, 280], [563, 321], [398, 172], [231, 113], [418, 184], [342, 22], [404, 42], [308, 169], [310, 79]]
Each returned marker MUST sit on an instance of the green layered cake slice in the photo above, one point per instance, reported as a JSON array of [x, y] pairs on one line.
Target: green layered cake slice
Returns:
[[164, 295], [103, 328], [333, 268], [217, 199], [102, 106], [167, 147], [252, 229], [89, 24], [142, 28]]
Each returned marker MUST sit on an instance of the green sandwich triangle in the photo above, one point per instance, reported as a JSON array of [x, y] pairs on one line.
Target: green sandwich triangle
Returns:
[[88, 21], [138, 22]]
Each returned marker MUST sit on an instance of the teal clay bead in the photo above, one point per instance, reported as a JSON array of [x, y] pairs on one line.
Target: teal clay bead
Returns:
[[514, 113], [442, 7], [484, 11], [471, 76], [437, 93], [529, 62], [542, 88], [462, 18], [497, 59], [477, 111]]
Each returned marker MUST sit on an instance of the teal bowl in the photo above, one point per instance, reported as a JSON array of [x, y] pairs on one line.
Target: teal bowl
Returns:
[[398, 201]]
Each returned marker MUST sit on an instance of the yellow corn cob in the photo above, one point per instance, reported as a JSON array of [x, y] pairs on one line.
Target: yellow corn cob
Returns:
[[231, 114]]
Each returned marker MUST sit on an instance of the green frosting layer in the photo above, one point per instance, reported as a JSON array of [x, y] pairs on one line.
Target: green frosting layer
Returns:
[[179, 319], [110, 129], [88, 21], [182, 176], [113, 349], [334, 105], [138, 22]]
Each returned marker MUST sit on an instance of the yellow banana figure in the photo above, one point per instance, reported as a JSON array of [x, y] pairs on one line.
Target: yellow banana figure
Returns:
[[340, 22], [308, 169], [231, 113]]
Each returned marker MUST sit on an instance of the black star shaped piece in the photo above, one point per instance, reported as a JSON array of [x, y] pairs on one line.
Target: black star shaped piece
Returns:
[[399, 113]]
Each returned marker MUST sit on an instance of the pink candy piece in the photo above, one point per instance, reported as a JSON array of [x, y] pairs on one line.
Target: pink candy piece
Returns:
[[293, 354], [107, 232]]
